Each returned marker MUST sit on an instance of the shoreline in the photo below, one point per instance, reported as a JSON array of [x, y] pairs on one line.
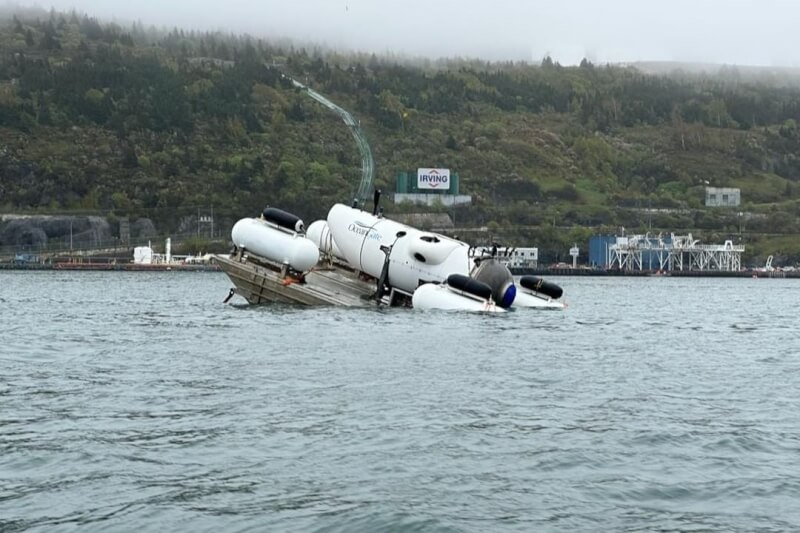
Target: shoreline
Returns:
[[111, 267], [776, 274], [133, 267]]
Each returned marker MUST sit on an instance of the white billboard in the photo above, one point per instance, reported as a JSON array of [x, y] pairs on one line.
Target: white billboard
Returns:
[[433, 178]]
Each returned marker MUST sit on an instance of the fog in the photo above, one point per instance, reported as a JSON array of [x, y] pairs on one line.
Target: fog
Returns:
[[741, 32]]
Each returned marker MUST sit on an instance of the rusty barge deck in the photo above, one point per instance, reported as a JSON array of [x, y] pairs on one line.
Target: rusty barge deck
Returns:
[[259, 281]]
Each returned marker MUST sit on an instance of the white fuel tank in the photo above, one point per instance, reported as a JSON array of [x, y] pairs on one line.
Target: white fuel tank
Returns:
[[275, 243], [527, 299], [435, 296], [416, 256], [320, 234]]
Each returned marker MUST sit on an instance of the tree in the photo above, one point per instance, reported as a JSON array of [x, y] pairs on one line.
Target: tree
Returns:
[[390, 110], [49, 40], [296, 112]]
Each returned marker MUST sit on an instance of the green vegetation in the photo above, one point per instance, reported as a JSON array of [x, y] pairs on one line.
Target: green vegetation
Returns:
[[138, 122]]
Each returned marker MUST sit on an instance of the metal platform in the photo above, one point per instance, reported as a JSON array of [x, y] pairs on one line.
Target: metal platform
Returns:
[[258, 281], [676, 253]]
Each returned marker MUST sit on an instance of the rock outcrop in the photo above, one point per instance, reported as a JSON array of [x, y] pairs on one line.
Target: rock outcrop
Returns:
[[41, 230]]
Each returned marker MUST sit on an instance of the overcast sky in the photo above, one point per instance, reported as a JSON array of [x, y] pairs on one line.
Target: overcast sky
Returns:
[[742, 32]]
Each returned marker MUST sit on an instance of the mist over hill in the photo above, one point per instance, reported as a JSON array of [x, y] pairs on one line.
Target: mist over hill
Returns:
[[772, 75]]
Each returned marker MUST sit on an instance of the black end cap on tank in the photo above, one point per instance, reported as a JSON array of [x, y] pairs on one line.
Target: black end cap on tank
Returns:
[[472, 286], [281, 218]]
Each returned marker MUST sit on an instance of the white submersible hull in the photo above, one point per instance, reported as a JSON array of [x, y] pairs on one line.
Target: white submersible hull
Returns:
[[365, 259]]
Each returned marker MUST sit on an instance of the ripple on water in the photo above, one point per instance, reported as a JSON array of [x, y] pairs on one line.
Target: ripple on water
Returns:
[[149, 405]]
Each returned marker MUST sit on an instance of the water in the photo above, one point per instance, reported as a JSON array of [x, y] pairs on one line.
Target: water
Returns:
[[137, 401]]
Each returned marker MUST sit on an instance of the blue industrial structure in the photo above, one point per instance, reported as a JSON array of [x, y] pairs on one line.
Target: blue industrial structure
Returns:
[[600, 256], [663, 252], [598, 250]]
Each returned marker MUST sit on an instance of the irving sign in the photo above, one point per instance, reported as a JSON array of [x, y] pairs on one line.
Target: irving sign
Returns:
[[433, 178]]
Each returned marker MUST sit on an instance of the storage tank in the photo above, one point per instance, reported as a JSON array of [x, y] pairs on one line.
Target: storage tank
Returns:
[[598, 249], [402, 183], [454, 184]]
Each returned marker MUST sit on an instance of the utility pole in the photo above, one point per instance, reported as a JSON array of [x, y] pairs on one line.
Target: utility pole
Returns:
[[205, 220]]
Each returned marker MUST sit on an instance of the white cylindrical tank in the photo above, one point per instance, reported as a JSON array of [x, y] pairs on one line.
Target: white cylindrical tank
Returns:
[[435, 296], [320, 234], [416, 256], [525, 298], [276, 244]]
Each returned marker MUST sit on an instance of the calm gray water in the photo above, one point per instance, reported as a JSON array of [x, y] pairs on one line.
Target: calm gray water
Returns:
[[138, 401]]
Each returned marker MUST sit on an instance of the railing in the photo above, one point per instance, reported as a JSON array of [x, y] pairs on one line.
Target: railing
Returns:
[[83, 248]]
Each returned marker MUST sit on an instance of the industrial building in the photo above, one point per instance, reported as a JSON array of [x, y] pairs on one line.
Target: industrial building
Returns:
[[663, 253], [510, 256], [723, 197]]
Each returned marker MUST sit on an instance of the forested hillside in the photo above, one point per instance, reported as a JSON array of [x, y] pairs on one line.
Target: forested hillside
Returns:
[[140, 122]]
